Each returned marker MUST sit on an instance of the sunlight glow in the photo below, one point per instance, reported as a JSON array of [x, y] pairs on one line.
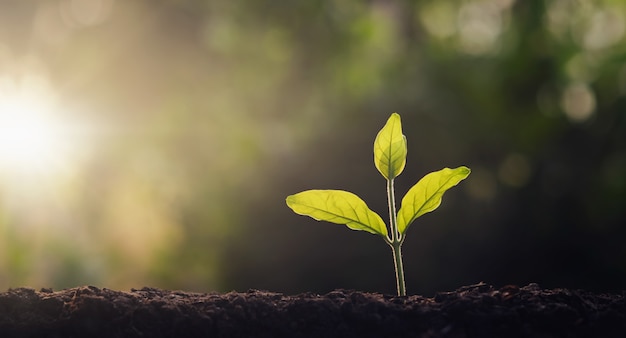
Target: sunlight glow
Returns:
[[31, 140]]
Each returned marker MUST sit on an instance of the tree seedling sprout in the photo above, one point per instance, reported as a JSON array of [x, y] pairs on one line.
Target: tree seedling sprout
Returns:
[[342, 207]]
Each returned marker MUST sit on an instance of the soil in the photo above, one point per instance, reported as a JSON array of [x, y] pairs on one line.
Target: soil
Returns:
[[473, 311]]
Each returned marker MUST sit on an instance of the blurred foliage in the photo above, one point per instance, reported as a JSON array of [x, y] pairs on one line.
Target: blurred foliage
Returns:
[[188, 122]]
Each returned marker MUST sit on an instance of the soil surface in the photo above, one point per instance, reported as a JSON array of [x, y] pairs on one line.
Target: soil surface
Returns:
[[473, 311]]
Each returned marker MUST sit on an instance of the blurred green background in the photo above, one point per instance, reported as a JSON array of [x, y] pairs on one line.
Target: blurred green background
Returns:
[[153, 142]]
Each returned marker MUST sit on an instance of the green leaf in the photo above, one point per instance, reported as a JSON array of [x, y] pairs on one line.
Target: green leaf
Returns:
[[425, 196], [337, 206], [390, 148]]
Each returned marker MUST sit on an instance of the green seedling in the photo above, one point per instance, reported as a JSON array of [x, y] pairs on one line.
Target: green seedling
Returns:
[[342, 207]]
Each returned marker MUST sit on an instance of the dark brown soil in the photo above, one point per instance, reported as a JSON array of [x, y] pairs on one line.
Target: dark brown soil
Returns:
[[473, 311]]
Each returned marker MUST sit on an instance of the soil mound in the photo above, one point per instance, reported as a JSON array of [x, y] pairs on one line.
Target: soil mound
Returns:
[[473, 311]]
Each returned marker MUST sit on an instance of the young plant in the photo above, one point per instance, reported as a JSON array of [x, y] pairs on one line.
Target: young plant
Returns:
[[342, 207]]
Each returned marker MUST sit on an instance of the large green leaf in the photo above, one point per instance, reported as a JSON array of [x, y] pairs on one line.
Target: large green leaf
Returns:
[[337, 206], [425, 196], [390, 148]]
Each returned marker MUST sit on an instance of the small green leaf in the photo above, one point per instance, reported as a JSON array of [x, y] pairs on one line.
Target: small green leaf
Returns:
[[390, 148], [425, 196], [337, 206]]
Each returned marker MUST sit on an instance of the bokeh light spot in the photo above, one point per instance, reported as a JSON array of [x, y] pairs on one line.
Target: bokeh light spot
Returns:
[[439, 19], [578, 102], [514, 170], [86, 12], [483, 185], [480, 24], [48, 26], [605, 29]]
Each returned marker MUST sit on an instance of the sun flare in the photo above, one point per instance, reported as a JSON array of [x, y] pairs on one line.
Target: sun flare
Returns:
[[32, 140]]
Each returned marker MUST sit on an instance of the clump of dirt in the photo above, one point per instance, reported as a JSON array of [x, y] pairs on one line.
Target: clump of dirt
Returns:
[[473, 311]]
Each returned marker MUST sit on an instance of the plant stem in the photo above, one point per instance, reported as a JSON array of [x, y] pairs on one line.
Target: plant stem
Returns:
[[397, 259], [396, 240]]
